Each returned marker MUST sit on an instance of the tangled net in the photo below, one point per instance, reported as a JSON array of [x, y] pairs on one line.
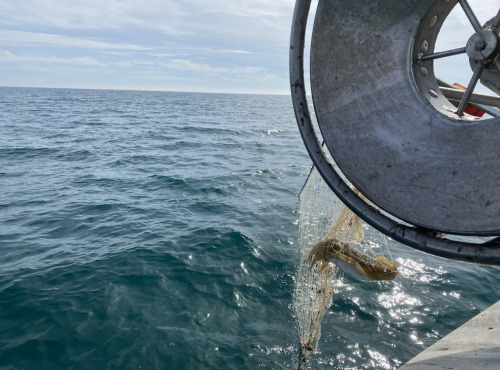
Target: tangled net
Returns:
[[340, 244], [345, 245]]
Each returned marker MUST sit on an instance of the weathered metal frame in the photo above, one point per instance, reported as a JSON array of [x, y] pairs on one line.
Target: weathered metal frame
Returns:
[[415, 237]]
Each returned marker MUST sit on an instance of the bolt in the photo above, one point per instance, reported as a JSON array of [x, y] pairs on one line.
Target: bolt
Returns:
[[479, 45], [433, 21], [433, 93], [425, 46], [423, 71]]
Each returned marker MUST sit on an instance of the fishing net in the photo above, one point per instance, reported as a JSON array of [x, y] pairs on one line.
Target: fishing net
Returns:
[[345, 245], [332, 240]]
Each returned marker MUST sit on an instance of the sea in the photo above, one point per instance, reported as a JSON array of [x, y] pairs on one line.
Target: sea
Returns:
[[158, 230]]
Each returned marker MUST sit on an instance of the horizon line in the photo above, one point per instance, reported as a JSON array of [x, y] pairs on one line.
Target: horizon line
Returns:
[[145, 90]]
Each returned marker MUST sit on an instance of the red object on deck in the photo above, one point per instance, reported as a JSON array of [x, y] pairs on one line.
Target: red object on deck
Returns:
[[469, 109]]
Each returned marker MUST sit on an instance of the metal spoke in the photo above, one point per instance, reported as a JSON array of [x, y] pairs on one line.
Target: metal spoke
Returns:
[[486, 108], [470, 14], [494, 112], [496, 22], [475, 98], [472, 84], [441, 54]]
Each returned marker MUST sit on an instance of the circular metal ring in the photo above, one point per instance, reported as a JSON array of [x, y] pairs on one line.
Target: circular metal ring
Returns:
[[413, 236], [430, 169]]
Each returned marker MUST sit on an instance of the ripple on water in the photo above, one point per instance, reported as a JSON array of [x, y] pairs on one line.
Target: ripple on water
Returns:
[[156, 230]]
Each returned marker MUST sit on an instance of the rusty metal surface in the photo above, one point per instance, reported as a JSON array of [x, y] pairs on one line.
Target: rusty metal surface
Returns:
[[383, 130]]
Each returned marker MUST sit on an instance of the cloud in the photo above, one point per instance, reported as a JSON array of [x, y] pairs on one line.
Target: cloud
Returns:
[[195, 22], [168, 55], [253, 8], [173, 16], [234, 51], [131, 63], [190, 66], [8, 57], [123, 64], [36, 69], [190, 44], [20, 38]]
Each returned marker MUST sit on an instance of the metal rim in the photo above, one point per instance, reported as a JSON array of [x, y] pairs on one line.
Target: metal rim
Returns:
[[418, 238]]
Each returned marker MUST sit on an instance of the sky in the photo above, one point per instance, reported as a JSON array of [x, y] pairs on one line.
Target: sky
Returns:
[[176, 45], [173, 45]]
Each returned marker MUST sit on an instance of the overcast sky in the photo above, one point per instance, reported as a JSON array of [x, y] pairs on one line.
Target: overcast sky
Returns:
[[181, 45], [176, 45]]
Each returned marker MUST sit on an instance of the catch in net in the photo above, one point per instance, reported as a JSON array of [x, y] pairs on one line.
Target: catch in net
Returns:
[[332, 240]]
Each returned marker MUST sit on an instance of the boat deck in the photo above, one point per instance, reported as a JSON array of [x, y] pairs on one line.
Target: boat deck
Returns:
[[474, 345]]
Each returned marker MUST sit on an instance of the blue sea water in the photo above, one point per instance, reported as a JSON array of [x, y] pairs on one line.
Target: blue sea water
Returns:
[[158, 230]]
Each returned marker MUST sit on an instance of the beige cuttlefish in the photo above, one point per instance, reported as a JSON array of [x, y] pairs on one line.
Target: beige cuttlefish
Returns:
[[352, 261]]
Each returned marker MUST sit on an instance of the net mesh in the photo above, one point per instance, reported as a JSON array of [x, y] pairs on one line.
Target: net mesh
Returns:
[[340, 243]]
